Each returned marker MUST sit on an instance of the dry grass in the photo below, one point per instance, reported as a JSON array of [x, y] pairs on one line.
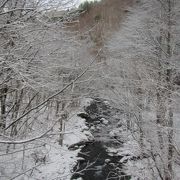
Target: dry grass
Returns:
[[105, 17], [101, 20], [108, 12]]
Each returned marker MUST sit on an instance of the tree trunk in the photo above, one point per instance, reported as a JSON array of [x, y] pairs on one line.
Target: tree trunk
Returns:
[[3, 97], [170, 89]]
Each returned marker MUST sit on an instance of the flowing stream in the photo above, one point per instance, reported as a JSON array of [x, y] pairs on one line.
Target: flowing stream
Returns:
[[95, 162]]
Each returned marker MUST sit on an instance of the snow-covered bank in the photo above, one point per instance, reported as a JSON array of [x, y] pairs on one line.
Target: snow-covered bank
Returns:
[[60, 159], [45, 158]]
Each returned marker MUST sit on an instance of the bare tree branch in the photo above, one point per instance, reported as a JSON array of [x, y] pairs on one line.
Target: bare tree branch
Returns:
[[17, 9], [4, 3], [54, 95]]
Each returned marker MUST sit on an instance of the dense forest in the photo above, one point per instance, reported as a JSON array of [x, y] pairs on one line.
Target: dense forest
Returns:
[[89, 90]]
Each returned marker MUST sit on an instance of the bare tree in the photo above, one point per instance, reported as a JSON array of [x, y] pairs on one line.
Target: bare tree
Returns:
[[40, 71], [147, 53]]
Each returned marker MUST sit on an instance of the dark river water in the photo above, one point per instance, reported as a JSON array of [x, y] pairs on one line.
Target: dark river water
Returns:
[[95, 162]]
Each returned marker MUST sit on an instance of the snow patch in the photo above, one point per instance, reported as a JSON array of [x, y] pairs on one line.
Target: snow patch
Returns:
[[86, 102]]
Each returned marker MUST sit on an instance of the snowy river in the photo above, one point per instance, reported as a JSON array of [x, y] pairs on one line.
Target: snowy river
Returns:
[[96, 161]]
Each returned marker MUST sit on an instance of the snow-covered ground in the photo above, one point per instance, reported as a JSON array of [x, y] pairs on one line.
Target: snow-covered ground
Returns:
[[45, 158], [61, 160]]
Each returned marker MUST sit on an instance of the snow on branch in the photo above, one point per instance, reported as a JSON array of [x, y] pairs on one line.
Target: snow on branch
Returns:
[[17, 9], [57, 93]]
